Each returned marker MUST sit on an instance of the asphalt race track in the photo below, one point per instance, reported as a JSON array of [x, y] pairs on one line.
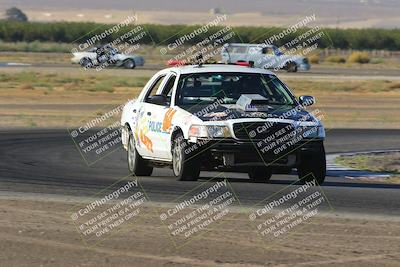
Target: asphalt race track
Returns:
[[148, 69], [47, 162]]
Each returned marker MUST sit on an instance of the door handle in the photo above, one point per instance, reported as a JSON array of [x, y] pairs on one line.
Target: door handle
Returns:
[[149, 113]]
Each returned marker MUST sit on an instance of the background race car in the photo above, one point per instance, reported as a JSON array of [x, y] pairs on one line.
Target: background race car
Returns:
[[264, 56], [106, 56]]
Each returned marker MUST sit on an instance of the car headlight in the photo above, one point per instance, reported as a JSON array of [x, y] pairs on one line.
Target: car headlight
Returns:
[[209, 131], [316, 131]]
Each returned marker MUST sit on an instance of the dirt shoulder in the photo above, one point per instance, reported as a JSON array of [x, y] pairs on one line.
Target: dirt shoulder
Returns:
[[41, 233]]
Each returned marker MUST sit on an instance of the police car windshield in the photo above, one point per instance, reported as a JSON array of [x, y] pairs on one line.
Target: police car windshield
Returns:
[[205, 88]]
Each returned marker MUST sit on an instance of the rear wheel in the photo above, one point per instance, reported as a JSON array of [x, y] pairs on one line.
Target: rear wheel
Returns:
[[86, 62], [260, 174], [313, 166], [291, 67], [136, 164], [183, 163]]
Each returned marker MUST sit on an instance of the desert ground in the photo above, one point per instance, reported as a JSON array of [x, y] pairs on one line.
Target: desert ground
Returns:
[[39, 232]]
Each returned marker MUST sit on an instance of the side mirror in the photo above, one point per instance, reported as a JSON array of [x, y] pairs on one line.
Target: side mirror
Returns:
[[158, 100], [306, 100]]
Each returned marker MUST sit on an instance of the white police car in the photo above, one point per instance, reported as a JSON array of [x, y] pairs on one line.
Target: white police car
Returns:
[[222, 117]]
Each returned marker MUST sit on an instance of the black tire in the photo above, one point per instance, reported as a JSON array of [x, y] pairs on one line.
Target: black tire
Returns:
[[129, 64], [291, 67], [184, 164], [136, 164], [313, 166], [86, 62], [260, 174]]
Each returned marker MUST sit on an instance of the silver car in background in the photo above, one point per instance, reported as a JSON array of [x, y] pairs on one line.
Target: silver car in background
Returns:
[[263, 56]]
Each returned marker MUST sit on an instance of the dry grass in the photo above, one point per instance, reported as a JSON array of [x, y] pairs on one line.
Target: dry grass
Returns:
[[61, 98], [95, 81], [395, 85], [36, 46], [314, 59], [377, 162], [34, 58], [67, 82], [335, 59], [359, 86], [359, 57]]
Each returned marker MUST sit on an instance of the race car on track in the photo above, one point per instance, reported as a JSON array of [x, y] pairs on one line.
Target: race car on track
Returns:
[[264, 56], [222, 117], [106, 56]]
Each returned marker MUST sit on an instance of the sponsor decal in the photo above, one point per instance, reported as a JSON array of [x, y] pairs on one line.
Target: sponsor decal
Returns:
[[146, 140], [156, 126], [142, 130], [167, 122]]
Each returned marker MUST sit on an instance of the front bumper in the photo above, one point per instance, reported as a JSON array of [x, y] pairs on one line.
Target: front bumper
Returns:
[[243, 154]]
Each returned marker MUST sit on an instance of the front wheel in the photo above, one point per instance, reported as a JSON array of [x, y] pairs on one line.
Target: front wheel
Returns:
[[313, 166], [260, 174], [129, 64], [183, 162], [136, 164]]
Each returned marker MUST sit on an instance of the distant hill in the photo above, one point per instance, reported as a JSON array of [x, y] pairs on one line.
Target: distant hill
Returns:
[[330, 13]]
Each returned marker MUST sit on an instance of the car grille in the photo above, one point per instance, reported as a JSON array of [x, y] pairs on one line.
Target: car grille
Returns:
[[258, 130]]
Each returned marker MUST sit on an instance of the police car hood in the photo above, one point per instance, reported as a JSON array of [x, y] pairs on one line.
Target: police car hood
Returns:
[[233, 111]]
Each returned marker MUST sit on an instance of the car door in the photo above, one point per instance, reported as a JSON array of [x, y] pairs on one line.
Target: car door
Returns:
[[237, 53], [267, 59], [157, 119], [144, 143], [254, 54]]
